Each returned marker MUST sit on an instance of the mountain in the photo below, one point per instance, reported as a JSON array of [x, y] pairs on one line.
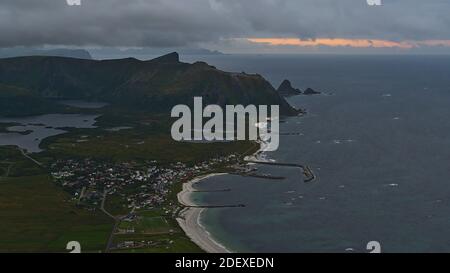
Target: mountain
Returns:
[[144, 53], [16, 101], [154, 86], [61, 52], [286, 89]]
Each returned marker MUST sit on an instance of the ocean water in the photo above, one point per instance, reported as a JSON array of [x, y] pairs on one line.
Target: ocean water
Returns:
[[379, 143]]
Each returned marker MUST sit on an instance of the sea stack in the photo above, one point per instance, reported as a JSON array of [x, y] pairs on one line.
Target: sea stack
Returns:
[[311, 91], [286, 89]]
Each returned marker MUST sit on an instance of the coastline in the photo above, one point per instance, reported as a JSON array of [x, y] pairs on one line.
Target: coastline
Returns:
[[189, 219]]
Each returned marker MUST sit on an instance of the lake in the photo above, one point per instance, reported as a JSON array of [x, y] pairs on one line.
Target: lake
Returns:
[[30, 131]]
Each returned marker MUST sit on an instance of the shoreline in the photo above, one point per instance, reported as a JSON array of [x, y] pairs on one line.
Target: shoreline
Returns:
[[189, 219]]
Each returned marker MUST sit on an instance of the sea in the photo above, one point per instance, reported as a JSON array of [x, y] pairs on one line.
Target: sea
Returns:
[[378, 141]]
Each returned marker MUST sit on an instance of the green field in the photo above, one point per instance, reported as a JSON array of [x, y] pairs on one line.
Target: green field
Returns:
[[175, 243], [148, 225], [37, 216], [116, 205], [129, 145], [14, 164], [162, 230]]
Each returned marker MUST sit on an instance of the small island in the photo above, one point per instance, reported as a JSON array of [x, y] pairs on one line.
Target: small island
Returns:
[[287, 90], [311, 91]]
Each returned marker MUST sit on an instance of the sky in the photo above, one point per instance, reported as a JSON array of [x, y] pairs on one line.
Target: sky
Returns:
[[231, 26]]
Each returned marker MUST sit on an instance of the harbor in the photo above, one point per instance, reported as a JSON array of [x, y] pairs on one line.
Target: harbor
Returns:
[[307, 172]]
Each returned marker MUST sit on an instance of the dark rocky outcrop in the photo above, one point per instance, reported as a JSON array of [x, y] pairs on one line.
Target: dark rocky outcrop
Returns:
[[286, 89], [311, 91]]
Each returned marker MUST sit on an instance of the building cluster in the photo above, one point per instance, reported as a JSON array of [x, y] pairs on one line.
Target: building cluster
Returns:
[[143, 186], [143, 244]]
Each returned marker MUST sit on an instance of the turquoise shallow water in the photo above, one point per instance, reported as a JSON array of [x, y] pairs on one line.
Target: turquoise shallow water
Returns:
[[381, 149]]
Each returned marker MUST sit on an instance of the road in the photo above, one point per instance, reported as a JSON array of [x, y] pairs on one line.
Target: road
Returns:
[[8, 169], [116, 222], [30, 158]]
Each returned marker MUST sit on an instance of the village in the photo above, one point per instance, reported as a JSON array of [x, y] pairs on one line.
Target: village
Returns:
[[142, 185]]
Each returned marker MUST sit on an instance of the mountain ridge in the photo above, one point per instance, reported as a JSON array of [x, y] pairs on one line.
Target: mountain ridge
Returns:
[[155, 85], [57, 52]]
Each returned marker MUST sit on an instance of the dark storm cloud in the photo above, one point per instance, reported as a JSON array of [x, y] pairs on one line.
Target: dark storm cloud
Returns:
[[163, 23], [109, 22]]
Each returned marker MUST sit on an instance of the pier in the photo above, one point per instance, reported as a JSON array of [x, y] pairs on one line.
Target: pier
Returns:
[[265, 176], [224, 190], [290, 134], [217, 206], [310, 176], [276, 164], [307, 171], [262, 176]]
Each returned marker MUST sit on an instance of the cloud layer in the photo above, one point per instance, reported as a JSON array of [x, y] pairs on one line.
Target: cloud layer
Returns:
[[169, 23]]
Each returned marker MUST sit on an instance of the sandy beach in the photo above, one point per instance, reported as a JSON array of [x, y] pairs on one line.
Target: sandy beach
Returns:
[[189, 219]]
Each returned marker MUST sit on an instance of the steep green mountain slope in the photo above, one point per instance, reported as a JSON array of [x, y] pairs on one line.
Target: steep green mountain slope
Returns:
[[155, 85]]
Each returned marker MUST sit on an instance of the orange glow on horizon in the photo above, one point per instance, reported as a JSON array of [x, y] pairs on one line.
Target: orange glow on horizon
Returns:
[[357, 43]]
